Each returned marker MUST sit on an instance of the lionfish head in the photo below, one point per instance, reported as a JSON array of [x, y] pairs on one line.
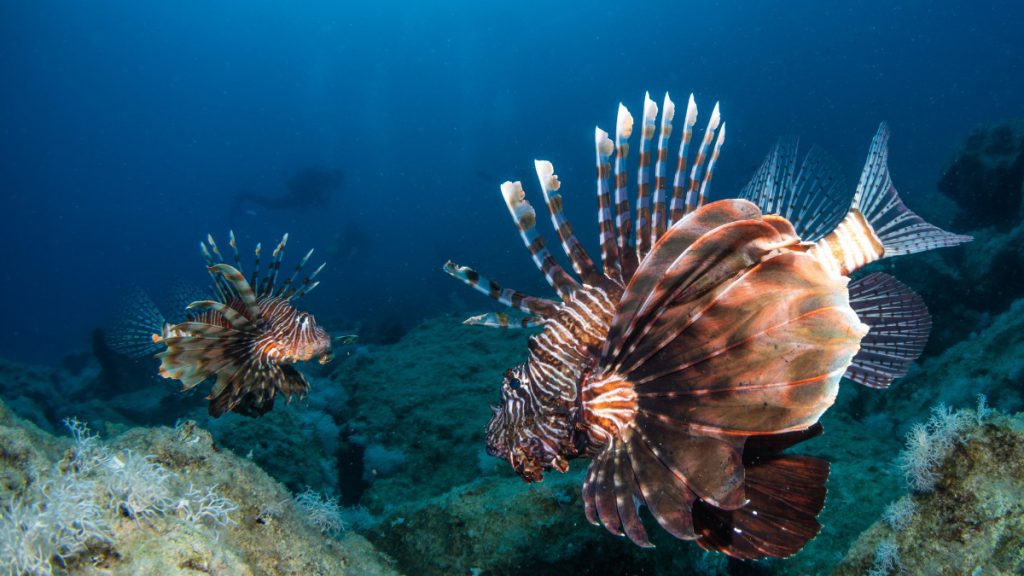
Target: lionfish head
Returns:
[[518, 434], [306, 340]]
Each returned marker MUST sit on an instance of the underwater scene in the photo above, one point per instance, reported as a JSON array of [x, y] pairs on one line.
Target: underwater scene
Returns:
[[490, 289]]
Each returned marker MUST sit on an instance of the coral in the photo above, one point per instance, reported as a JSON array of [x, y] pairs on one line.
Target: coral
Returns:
[[198, 509], [136, 486], [887, 559], [973, 520], [928, 445], [321, 511], [900, 513], [205, 506]]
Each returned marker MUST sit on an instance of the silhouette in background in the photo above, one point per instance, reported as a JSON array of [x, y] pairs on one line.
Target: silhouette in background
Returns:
[[311, 186]]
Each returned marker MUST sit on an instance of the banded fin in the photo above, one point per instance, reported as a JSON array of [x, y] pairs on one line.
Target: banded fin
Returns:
[[643, 178], [525, 218], [737, 335], [811, 198], [899, 324], [785, 495], [137, 327], [506, 296], [240, 287], [658, 212], [900, 230], [667, 472], [677, 208], [502, 320], [572, 247], [610, 261], [252, 390]]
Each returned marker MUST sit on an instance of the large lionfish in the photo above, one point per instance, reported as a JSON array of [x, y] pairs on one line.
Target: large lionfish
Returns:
[[249, 336], [709, 342]]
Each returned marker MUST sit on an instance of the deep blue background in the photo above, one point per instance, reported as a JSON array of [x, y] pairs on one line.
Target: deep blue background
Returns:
[[126, 127]]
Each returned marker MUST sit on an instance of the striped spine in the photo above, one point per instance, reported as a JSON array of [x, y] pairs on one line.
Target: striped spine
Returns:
[[668, 111], [698, 164], [643, 184], [676, 208], [603, 147], [525, 218]]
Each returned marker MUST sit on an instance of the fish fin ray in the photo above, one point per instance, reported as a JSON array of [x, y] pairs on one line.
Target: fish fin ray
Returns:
[[899, 325]]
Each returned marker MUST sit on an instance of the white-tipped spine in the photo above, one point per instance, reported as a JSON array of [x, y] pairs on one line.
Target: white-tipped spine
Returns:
[[668, 109], [546, 175], [691, 112], [604, 144], [623, 123]]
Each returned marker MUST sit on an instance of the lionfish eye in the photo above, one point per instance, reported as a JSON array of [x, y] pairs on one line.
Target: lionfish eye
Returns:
[[515, 383]]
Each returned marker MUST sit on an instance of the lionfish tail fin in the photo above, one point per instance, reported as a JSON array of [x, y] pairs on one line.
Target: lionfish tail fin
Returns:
[[898, 323], [784, 493], [138, 328], [900, 230], [879, 224]]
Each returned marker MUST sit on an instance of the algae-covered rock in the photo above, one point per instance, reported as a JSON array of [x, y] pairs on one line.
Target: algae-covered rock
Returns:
[[155, 501], [972, 523], [425, 401]]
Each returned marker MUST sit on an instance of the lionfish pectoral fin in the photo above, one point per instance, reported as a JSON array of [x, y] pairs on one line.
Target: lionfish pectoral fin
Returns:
[[898, 326], [785, 494], [252, 389], [666, 469], [137, 327], [502, 320]]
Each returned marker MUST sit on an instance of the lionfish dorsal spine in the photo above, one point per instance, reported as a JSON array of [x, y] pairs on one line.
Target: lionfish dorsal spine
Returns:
[[525, 218], [643, 183], [240, 287], [693, 201], [604, 147], [677, 208], [275, 267], [658, 213], [579, 258], [237, 321], [623, 223]]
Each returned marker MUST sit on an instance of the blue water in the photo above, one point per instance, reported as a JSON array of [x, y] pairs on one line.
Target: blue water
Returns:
[[126, 128]]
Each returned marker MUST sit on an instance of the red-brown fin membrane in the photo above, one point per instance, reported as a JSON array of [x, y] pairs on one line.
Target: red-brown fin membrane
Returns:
[[899, 324], [675, 241], [251, 391], [785, 494], [764, 356], [667, 475], [739, 336]]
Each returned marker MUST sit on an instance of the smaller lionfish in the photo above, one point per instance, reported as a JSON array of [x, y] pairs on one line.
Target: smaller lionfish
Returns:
[[249, 336], [709, 342]]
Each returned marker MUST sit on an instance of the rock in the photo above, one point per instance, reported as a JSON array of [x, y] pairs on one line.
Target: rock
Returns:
[[252, 526], [986, 177], [973, 523]]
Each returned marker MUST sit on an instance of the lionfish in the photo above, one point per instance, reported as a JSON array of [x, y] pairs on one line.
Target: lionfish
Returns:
[[711, 340], [249, 335]]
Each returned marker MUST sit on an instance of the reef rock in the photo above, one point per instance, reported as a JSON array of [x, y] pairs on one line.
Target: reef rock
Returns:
[[986, 177], [972, 523], [154, 501]]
